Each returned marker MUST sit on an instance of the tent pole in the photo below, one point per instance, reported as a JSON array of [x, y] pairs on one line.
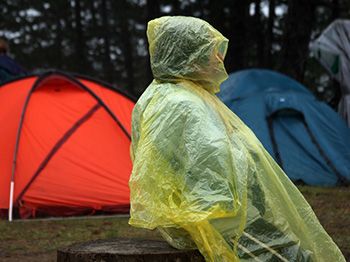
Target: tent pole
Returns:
[[16, 149], [11, 200]]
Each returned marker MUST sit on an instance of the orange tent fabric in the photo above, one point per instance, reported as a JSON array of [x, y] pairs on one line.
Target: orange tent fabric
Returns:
[[64, 144]]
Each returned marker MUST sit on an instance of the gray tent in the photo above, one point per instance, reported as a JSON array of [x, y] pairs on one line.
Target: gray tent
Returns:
[[332, 50]]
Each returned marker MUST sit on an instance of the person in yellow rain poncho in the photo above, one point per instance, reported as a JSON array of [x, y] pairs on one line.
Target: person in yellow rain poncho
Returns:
[[199, 174]]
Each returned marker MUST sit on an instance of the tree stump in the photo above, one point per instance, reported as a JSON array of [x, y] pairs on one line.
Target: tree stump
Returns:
[[126, 250]]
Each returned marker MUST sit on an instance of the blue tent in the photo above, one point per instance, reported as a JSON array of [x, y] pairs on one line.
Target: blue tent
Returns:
[[306, 137]]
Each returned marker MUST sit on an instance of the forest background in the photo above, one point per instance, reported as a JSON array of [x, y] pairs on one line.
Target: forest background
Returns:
[[106, 39]]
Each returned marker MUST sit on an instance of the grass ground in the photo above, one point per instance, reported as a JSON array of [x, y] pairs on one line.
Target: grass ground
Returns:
[[38, 240], [332, 207]]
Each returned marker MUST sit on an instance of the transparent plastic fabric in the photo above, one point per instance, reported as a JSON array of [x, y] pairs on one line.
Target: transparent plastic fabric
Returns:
[[200, 175]]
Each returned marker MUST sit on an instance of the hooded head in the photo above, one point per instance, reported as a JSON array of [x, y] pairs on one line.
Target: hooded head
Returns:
[[187, 48]]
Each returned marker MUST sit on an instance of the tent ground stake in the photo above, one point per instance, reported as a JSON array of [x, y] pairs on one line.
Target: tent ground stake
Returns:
[[11, 201]]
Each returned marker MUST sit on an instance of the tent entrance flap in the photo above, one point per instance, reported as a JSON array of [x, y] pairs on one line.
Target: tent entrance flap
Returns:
[[280, 124], [57, 146], [290, 115]]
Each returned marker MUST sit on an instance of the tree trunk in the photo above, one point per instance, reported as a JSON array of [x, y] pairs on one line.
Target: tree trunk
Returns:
[[335, 9], [217, 16], [79, 41], [267, 63], [176, 7], [153, 11], [237, 55], [296, 37], [126, 42], [93, 13], [107, 64], [59, 11], [259, 40]]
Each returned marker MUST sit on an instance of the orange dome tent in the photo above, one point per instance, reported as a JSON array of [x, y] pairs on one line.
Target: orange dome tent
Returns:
[[64, 146]]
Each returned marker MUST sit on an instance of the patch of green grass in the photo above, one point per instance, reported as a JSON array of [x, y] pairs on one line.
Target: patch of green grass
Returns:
[[38, 240], [31, 236], [311, 192], [332, 207]]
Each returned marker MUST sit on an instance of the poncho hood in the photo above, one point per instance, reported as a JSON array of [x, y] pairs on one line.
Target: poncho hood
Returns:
[[187, 48]]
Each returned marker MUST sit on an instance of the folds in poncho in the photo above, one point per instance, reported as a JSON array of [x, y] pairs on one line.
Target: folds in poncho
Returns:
[[199, 173]]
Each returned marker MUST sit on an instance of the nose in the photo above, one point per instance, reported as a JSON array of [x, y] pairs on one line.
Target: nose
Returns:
[[220, 56]]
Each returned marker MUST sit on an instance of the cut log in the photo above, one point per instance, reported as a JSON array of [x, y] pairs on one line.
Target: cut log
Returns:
[[126, 250]]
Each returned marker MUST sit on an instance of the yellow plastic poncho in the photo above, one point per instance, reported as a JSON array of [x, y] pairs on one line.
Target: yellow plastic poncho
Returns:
[[199, 173]]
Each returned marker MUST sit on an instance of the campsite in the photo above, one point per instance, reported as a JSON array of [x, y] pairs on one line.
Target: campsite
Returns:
[[223, 126]]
